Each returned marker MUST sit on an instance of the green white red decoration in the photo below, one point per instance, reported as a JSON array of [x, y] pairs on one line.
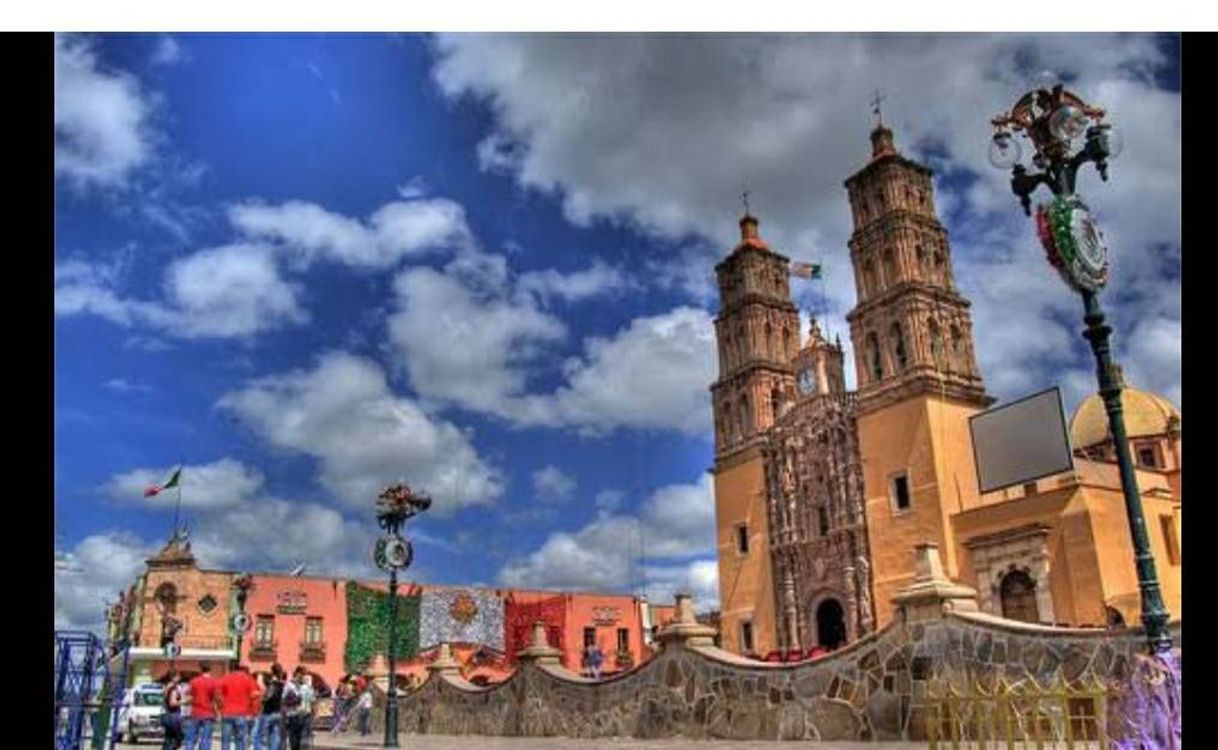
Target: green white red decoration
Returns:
[[1073, 242], [174, 480]]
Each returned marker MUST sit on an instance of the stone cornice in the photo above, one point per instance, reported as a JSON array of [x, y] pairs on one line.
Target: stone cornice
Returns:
[[930, 294], [892, 221]]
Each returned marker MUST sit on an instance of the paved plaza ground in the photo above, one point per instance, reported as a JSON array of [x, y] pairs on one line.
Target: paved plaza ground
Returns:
[[443, 742]]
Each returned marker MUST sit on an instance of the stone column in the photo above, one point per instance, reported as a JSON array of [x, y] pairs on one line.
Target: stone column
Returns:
[[788, 592], [539, 651], [685, 631], [1044, 594], [932, 594]]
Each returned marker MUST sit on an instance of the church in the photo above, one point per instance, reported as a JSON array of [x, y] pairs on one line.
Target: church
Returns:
[[822, 494]]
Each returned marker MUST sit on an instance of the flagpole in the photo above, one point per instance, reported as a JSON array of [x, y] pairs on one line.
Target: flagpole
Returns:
[[177, 508]]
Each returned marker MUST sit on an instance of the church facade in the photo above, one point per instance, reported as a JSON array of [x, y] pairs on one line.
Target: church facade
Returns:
[[822, 494]]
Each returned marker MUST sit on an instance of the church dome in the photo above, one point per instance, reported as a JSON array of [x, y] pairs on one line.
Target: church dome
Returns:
[[1145, 414]]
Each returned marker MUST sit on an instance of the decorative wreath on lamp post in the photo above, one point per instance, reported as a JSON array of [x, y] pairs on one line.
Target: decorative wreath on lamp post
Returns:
[[394, 506]]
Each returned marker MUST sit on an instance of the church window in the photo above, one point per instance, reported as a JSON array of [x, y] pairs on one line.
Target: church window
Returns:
[[898, 346], [900, 493], [742, 538], [746, 637], [1018, 594], [920, 256], [958, 347], [1168, 525], [873, 356], [776, 403], [936, 343], [745, 425], [788, 345], [207, 604], [771, 348], [890, 268], [822, 518], [1147, 457], [869, 285]]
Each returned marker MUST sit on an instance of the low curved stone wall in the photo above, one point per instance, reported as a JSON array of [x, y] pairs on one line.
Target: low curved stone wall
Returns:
[[873, 690]]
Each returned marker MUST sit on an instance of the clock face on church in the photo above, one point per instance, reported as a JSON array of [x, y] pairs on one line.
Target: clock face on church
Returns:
[[807, 381]]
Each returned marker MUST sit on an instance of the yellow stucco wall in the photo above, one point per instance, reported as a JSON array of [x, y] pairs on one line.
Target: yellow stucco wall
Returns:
[[929, 441], [745, 587]]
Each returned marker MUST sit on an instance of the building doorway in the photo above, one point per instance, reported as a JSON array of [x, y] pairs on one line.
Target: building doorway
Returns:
[[1018, 593], [830, 624]]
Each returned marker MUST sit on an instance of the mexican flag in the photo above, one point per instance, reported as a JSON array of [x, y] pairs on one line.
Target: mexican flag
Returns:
[[805, 270], [174, 480]]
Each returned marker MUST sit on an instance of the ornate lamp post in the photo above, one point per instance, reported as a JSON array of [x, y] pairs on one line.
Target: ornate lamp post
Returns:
[[241, 621], [394, 506], [1054, 120]]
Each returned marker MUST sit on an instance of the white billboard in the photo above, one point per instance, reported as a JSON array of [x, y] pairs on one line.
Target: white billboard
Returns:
[[1021, 441]]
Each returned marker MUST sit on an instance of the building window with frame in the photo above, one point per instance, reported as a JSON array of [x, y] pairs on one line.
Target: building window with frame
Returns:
[[1168, 525], [898, 346], [623, 640], [1148, 456], [589, 637], [900, 493], [873, 356], [313, 630], [264, 630], [742, 538], [746, 637]]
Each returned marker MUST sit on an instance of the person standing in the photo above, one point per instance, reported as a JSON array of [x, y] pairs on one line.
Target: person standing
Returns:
[[595, 659], [237, 692], [203, 710], [297, 707], [363, 711], [171, 712], [268, 727]]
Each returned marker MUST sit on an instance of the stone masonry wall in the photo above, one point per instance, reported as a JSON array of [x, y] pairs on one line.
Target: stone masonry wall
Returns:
[[873, 690]]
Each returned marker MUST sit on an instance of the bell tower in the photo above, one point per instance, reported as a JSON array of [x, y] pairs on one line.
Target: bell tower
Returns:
[[918, 381], [757, 332]]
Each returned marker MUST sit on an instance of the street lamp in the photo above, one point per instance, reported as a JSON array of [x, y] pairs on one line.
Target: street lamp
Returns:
[[241, 621], [1067, 133], [392, 553]]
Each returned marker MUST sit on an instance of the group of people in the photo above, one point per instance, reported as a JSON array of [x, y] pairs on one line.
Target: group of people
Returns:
[[266, 712], [352, 699]]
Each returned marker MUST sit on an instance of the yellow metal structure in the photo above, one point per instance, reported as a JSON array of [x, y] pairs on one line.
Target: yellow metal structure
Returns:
[[1019, 716]]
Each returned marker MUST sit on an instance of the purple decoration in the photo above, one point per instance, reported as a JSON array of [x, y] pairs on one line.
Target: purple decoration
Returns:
[[1146, 715]]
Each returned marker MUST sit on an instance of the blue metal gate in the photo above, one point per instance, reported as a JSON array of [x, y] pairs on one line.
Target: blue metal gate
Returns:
[[89, 684]]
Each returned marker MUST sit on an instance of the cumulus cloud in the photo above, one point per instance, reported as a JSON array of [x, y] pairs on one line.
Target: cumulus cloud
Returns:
[[343, 413], [395, 231], [596, 281], [552, 484], [101, 118], [221, 484], [232, 291], [91, 574], [659, 132], [670, 542]]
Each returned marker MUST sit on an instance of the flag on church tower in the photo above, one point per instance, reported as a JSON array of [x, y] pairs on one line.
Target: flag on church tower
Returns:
[[173, 481], [805, 270]]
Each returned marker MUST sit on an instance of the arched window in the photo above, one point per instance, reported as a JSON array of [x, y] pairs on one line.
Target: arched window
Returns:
[[1018, 593], [958, 358], [873, 356], [869, 284], [771, 347], [898, 346], [741, 345], [729, 421], [745, 422], [936, 343], [890, 268], [788, 348], [167, 597], [939, 266], [920, 256], [822, 519], [776, 403]]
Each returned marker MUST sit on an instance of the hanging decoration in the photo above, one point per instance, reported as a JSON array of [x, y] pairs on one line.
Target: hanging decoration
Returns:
[[368, 626]]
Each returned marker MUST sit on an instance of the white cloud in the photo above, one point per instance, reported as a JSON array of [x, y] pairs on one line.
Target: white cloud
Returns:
[[552, 484], [660, 132], [343, 413], [224, 483], [596, 281], [101, 118], [225, 292], [90, 576], [122, 385], [609, 500], [615, 552], [464, 346], [168, 51], [394, 231]]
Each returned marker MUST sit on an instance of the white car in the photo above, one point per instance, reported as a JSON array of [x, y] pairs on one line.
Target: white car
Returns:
[[140, 715]]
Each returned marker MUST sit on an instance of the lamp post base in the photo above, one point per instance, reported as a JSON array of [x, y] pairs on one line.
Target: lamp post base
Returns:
[[391, 720]]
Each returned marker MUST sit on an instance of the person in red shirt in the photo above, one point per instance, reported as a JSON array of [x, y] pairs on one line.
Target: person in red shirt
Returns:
[[203, 712], [238, 694]]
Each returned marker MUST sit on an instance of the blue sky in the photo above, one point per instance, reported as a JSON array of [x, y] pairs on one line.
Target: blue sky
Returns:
[[307, 265]]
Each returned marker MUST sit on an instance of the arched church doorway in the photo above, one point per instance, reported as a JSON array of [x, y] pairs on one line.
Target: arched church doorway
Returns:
[[1018, 592], [830, 624]]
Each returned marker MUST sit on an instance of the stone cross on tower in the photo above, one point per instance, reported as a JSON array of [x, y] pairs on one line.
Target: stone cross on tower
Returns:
[[875, 107]]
